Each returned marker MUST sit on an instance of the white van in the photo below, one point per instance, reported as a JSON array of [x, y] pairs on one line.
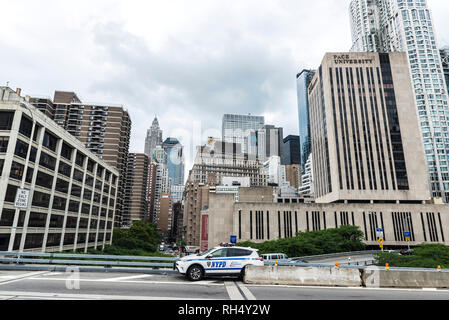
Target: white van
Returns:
[[273, 257]]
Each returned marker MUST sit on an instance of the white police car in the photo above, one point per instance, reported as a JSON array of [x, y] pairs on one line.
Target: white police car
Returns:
[[218, 261]]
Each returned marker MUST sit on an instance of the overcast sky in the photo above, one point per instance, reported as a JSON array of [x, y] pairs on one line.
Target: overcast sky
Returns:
[[186, 61]]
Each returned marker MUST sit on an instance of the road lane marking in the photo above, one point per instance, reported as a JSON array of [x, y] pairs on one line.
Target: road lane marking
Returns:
[[233, 291], [199, 283], [127, 278], [65, 296], [21, 277], [246, 292]]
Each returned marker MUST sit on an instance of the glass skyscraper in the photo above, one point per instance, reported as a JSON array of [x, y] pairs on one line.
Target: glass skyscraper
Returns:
[[303, 80], [406, 26], [237, 128], [175, 161]]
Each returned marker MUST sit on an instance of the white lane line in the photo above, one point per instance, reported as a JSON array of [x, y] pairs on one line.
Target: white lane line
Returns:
[[127, 278], [23, 277], [233, 291], [246, 292], [199, 283], [64, 296]]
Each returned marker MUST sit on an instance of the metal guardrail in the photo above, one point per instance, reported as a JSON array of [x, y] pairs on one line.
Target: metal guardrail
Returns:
[[107, 261], [336, 255]]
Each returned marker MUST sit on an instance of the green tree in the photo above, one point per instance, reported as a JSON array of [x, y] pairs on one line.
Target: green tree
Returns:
[[343, 239]]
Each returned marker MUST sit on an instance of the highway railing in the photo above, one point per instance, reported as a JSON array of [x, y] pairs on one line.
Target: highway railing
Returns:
[[337, 255], [11, 259]]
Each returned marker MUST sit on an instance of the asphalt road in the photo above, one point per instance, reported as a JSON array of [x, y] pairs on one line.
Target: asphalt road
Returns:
[[16, 285]]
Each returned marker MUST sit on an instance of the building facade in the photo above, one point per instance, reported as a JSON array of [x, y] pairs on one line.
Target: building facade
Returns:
[[72, 193], [175, 160], [303, 81], [407, 26], [154, 138], [218, 159], [292, 150], [135, 202], [364, 130], [445, 63], [105, 129], [236, 128], [260, 221]]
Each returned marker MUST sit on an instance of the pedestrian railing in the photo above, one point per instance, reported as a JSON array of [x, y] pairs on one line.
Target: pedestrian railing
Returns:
[[107, 261]]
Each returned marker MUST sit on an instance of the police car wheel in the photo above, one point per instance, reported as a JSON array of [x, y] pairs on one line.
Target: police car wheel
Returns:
[[195, 273]]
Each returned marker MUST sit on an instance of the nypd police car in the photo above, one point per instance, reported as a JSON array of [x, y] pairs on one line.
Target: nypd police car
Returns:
[[218, 261]]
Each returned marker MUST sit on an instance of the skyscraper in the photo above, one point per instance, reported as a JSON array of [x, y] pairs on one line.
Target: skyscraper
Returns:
[[406, 26], [236, 128], [303, 80], [364, 130], [135, 204], [154, 138], [105, 129], [175, 160], [291, 150]]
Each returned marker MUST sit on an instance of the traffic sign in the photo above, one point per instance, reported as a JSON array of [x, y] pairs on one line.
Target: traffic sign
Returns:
[[22, 197], [380, 232]]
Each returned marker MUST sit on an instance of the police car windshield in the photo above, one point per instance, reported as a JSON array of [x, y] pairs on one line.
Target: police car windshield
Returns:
[[206, 252]]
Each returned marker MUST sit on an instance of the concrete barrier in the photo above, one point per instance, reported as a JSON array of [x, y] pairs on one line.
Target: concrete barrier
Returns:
[[405, 279], [303, 276], [346, 277]]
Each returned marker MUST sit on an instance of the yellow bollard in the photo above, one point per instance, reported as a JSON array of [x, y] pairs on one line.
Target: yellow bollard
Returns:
[[439, 268], [276, 263], [387, 266]]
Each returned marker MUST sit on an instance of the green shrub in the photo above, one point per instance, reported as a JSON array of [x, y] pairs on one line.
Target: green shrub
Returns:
[[423, 256]]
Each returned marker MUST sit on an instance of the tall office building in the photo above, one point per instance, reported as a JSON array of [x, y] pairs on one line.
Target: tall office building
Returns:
[[264, 143], [135, 204], [291, 150], [303, 80], [175, 160], [154, 138], [406, 26], [307, 182], [236, 128], [105, 129], [364, 130]]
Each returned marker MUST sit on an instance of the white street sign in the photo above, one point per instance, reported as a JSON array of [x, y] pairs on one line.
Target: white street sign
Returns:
[[22, 197]]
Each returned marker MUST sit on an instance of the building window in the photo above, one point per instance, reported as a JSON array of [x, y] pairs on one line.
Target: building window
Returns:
[[26, 126], [7, 218], [2, 162], [34, 240], [50, 141], [44, 180], [21, 149], [62, 186], [6, 120], [16, 171], [41, 199], [4, 144], [47, 161], [11, 193], [37, 220], [59, 203], [66, 151], [79, 160]]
